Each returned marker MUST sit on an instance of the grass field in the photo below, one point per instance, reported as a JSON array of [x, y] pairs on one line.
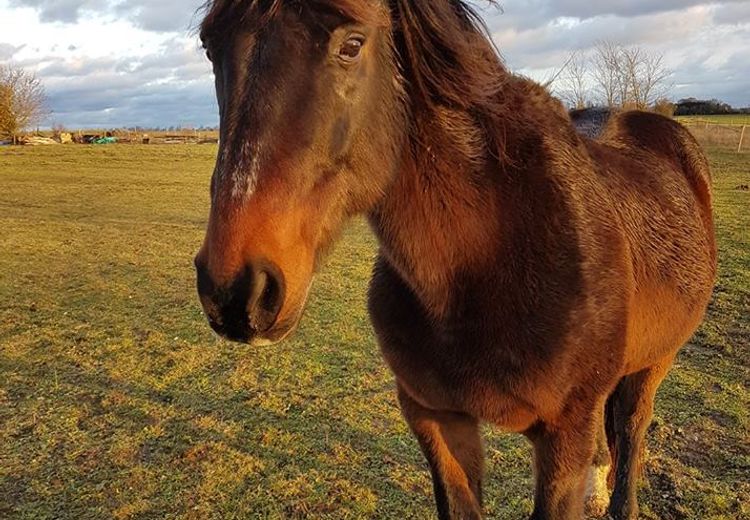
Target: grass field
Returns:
[[117, 402], [728, 119]]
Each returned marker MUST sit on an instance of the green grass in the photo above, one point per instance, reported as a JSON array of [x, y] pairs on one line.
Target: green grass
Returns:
[[727, 119], [117, 401]]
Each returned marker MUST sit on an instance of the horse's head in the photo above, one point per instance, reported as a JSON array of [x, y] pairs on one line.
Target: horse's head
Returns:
[[310, 107], [316, 100]]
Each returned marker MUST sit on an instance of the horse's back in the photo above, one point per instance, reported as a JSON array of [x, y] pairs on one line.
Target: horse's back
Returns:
[[659, 182], [665, 138]]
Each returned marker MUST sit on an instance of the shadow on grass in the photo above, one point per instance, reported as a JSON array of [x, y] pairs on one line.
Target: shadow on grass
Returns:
[[105, 433]]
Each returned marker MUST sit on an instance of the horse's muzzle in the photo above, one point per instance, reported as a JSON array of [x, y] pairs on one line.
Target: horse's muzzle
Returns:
[[247, 308]]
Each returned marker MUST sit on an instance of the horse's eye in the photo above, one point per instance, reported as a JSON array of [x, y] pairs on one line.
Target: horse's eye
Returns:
[[351, 49], [206, 44]]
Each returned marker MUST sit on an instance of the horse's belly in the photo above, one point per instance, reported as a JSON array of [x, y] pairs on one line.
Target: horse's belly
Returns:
[[661, 322], [437, 388]]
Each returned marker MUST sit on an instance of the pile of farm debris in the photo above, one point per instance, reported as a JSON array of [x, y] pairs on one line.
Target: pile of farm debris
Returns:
[[40, 140], [35, 140]]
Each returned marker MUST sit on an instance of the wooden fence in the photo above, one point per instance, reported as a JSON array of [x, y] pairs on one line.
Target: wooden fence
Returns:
[[733, 136]]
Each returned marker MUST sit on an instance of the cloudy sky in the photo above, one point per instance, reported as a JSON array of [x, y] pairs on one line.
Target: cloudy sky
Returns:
[[108, 63]]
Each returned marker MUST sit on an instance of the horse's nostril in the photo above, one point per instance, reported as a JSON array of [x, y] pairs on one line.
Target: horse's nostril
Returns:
[[266, 297], [270, 300]]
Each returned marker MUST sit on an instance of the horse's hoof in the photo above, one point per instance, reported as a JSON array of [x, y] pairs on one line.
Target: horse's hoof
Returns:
[[464, 506], [597, 509]]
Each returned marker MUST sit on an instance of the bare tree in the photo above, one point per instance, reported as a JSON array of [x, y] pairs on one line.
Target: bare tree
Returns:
[[574, 82], [6, 112], [629, 77], [607, 74], [23, 101], [654, 79]]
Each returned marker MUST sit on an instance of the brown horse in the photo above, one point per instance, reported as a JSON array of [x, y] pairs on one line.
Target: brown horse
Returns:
[[527, 277]]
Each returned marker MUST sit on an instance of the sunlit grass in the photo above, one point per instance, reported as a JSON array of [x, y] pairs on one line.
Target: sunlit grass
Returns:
[[725, 119], [117, 401]]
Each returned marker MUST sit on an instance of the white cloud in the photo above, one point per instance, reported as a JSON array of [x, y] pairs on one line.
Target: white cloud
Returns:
[[102, 68]]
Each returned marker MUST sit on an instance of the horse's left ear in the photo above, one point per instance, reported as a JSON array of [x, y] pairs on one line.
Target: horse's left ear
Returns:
[[443, 56]]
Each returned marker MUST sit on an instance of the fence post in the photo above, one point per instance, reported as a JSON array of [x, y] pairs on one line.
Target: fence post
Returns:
[[742, 137]]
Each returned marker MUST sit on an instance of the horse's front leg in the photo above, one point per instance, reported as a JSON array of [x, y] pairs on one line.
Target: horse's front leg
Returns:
[[453, 448], [598, 491], [563, 454]]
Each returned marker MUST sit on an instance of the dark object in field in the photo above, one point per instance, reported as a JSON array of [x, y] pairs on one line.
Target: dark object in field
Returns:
[[591, 122], [86, 138], [528, 276], [742, 187]]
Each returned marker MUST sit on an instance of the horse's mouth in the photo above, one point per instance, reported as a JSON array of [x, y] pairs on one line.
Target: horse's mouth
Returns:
[[273, 339], [277, 334], [254, 338]]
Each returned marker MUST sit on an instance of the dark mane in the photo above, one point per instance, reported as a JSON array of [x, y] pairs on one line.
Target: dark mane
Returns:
[[455, 77], [447, 55]]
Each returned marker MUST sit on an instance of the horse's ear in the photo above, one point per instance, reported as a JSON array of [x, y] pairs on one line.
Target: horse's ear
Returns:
[[444, 52]]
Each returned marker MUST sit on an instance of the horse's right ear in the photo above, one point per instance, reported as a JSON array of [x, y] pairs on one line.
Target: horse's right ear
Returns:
[[442, 47]]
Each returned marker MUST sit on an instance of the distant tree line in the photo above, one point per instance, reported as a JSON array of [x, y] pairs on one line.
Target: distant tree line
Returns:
[[172, 128], [706, 107]]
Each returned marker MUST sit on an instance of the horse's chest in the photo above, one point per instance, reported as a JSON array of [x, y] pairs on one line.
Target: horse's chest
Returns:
[[487, 365]]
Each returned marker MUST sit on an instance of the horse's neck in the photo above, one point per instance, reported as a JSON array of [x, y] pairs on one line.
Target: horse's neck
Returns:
[[438, 220], [458, 203]]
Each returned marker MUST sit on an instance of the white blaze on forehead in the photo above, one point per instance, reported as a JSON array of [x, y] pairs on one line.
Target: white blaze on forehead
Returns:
[[254, 169], [241, 169]]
